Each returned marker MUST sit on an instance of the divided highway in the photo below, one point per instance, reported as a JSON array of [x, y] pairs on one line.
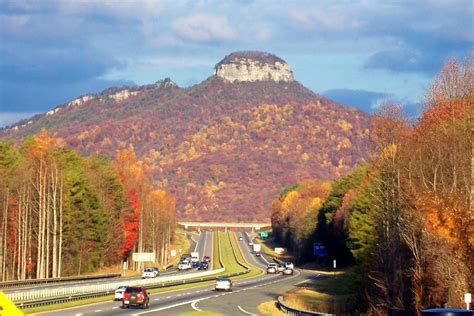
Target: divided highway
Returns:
[[247, 293], [203, 244]]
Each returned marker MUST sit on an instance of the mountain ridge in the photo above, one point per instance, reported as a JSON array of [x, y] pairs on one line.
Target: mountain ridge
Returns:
[[224, 149]]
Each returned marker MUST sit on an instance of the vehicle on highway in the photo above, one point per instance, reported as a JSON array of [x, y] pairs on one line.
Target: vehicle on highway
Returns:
[[257, 254], [203, 265], [185, 265], [280, 267], [149, 273], [224, 284], [135, 295], [290, 265], [194, 256], [287, 271], [241, 238], [250, 243], [206, 259], [272, 268], [119, 293]]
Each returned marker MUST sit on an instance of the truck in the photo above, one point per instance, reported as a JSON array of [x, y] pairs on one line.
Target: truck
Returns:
[[184, 265], [195, 256], [257, 248]]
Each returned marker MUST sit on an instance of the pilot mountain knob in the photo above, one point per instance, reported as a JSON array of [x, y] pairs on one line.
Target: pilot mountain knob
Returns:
[[253, 66]]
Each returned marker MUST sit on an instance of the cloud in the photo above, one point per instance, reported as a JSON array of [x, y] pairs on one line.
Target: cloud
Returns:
[[362, 99], [8, 118], [203, 27], [404, 60]]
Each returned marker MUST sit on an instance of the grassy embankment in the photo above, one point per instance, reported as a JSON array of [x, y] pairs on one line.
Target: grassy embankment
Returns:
[[330, 293]]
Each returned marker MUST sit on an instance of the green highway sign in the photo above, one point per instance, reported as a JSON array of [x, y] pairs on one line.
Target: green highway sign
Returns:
[[263, 234]]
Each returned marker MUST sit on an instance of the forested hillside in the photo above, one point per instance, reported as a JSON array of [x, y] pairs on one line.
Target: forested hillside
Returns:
[[223, 149], [65, 214], [404, 219]]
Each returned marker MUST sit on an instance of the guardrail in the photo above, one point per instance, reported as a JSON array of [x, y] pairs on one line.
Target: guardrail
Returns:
[[10, 284], [108, 291], [294, 311]]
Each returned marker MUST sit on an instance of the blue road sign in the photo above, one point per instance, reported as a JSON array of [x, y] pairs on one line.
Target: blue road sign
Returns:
[[319, 249]]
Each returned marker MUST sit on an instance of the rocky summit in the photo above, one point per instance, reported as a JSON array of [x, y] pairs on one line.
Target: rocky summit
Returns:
[[253, 66], [224, 147]]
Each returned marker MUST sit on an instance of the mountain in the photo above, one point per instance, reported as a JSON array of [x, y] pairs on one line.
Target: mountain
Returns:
[[226, 146]]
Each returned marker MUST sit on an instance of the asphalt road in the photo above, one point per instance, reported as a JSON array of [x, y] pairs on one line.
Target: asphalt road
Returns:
[[247, 294], [201, 242]]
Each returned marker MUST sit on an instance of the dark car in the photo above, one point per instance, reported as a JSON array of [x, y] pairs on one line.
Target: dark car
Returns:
[[203, 265], [135, 295], [206, 259]]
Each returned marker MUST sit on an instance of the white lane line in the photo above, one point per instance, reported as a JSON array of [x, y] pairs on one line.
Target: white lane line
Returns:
[[156, 299], [172, 306], [311, 278], [244, 311], [97, 311], [197, 242], [194, 306], [80, 314], [115, 307]]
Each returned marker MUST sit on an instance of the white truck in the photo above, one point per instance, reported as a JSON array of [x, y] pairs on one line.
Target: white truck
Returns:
[[194, 256], [257, 248], [184, 265]]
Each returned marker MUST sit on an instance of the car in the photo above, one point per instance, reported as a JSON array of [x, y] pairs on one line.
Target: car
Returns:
[[250, 243], [135, 295], [272, 268], [290, 265], [119, 293], [157, 270], [224, 284], [206, 259], [149, 273], [241, 238], [280, 267], [203, 265], [287, 271], [257, 254], [195, 264]]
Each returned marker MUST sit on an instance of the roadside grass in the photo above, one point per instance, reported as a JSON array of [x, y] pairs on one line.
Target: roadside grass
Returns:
[[215, 251], [270, 308], [230, 263], [327, 294], [253, 269]]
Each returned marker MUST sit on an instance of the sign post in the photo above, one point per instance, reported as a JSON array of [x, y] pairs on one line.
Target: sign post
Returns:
[[467, 299]]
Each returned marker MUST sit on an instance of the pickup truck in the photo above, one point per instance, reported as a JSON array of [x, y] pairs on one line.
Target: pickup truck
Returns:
[[185, 265]]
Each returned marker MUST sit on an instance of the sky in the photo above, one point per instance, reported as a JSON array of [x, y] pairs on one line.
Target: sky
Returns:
[[360, 53]]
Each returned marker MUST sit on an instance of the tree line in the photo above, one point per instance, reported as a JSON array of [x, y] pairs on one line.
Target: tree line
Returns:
[[64, 214], [405, 220]]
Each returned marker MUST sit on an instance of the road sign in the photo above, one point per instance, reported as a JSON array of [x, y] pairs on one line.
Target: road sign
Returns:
[[319, 249], [257, 227], [143, 256], [173, 253], [264, 234], [334, 264]]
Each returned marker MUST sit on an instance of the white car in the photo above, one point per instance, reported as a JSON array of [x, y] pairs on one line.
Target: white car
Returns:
[[290, 265], [149, 273], [272, 268], [241, 238], [224, 284], [250, 243], [287, 271], [119, 293]]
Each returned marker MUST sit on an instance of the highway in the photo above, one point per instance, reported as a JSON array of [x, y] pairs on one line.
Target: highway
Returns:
[[202, 243], [247, 294]]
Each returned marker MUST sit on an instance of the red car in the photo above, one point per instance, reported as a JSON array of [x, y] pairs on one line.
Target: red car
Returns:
[[135, 295], [206, 259]]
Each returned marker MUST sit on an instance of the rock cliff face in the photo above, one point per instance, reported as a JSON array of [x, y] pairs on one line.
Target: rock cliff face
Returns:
[[253, 66]]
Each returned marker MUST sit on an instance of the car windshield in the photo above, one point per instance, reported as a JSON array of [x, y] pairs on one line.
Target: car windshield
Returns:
[[148, 270], [133, 290], [223, 280]]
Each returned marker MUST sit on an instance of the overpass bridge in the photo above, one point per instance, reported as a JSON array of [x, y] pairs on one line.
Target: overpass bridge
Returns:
[[225, 225]]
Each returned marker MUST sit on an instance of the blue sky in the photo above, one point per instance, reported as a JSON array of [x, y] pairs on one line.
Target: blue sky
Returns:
[[357, 52]]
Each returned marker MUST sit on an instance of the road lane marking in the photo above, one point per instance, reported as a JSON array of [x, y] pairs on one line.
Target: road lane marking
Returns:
[[156, 299], [244, 311], [172, 306], [194, 306], [168, 297], [80, 314], [97, 311], [115, 307]]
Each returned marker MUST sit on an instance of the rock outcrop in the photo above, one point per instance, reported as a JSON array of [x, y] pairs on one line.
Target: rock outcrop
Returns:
[[253, 66]]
